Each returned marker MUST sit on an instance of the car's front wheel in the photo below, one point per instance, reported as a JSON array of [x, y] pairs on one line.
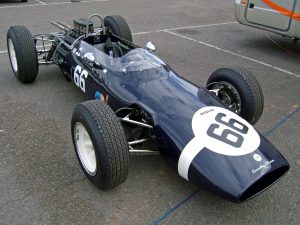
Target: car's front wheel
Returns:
[[100, 144], [239, 90]]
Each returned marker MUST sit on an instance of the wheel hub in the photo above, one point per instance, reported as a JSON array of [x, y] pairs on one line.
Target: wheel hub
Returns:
[[228, 94], [12, 55], [85, 149]]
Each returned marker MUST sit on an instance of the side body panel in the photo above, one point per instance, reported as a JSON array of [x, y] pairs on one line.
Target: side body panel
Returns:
[[88, 79]]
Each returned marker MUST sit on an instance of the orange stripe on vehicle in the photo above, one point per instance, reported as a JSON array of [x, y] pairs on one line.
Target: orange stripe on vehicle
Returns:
[[283, 11], [244, 2]]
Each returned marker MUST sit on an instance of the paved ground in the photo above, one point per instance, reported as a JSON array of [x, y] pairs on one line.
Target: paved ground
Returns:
[[40, 179]]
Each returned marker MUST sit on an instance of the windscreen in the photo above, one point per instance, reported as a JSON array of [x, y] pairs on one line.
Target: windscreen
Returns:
[[138, 59]]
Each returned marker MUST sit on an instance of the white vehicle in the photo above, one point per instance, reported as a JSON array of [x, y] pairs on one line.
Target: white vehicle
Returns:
[[278, 16]]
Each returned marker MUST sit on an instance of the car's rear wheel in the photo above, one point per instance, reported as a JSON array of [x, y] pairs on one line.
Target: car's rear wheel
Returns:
[[239, 90], [118, 26], [100, 144], [22, 53]]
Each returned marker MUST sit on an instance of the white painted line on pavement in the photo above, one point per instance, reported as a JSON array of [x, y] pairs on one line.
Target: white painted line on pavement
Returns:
[[200, 26], [47, 4], [186, 27], [235, 54], [43, 3]]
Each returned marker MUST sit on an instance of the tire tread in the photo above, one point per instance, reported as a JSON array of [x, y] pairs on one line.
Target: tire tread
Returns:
[[25, 52], [244, 78], [255, 92], [112, 137], [121, 26]]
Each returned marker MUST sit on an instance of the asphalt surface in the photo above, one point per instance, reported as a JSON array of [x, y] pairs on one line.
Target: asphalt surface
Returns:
[[40, 179]]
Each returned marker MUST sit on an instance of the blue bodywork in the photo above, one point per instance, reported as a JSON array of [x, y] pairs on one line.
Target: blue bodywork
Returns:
[[140, 79]]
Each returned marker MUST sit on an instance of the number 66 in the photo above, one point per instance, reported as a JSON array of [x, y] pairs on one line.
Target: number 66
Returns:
[[79, 77]]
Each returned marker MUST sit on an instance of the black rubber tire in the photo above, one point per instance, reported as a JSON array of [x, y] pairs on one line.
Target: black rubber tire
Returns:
[[118, 26], [247, 86], [23, 0], [109, 141], [26, 55]]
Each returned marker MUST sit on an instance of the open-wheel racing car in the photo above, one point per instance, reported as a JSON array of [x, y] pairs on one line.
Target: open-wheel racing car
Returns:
[[138, 101]]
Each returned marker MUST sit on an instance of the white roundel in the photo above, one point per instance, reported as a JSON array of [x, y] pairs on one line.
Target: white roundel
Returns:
[[221, 131], [224, 132]]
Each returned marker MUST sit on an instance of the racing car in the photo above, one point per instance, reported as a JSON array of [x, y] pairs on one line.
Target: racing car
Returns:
[[139, 104]]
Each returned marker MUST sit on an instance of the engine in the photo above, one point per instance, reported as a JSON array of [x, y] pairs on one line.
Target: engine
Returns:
[[80, 26]]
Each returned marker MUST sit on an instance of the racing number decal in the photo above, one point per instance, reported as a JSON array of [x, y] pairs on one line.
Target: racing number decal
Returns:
[[221, 131], [79, 77], [231, 137]]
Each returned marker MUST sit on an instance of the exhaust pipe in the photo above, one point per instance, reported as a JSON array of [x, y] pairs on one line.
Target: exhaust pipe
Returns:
[[59, 25]]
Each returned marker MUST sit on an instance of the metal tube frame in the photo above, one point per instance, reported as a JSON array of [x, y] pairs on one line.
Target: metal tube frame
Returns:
[[127, 120], [89, 19], [41, 50], [131, 144], [58, 38]]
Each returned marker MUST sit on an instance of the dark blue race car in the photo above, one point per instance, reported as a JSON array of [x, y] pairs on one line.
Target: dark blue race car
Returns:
[[138, 103]]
